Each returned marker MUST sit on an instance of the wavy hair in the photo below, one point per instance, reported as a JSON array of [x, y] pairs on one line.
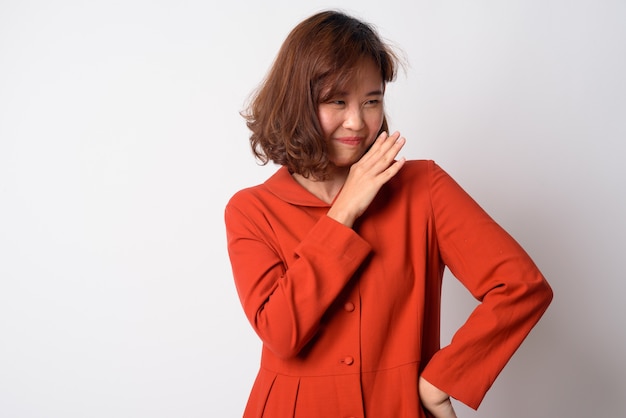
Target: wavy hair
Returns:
[[317, 58]]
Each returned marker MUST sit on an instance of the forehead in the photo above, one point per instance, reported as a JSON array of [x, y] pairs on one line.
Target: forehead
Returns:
[[367, 71], [365, 74]]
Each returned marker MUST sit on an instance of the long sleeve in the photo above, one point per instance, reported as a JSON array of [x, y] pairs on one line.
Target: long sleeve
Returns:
[[498, 273], [285, 292]]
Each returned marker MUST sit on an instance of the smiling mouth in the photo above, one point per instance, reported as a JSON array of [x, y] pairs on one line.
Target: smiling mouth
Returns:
[[350, 140]]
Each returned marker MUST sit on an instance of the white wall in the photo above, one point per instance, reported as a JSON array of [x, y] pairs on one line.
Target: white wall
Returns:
[[120, 143]]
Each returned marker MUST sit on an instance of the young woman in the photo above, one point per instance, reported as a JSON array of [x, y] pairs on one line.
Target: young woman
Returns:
[[338, 258]]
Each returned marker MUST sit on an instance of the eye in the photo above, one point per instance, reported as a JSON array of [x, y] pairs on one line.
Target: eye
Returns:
[[372, 102]]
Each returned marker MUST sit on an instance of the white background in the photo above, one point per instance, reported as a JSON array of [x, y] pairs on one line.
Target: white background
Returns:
[[120, 143]]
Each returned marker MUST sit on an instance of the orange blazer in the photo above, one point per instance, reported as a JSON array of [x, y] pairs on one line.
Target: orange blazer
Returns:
[[349, 317]]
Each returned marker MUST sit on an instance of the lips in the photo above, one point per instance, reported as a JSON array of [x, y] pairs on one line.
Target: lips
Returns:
[[350, 140]]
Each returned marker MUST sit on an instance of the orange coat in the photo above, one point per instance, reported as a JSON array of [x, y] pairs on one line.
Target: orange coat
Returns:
[[349, 317]]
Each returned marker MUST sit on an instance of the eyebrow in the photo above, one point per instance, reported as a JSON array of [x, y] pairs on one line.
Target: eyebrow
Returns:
[[371, 93], [342, 93]]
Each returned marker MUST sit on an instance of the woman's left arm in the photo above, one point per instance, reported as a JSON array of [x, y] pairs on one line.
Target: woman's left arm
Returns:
[[500, 274]]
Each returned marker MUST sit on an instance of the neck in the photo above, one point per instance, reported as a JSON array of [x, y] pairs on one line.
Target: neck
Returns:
[[327, 189]]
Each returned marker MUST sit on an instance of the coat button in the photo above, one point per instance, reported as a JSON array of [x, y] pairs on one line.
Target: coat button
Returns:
[[349, 306], [348, 360]]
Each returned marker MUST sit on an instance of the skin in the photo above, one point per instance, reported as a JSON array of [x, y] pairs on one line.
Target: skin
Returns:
[[351, 121]]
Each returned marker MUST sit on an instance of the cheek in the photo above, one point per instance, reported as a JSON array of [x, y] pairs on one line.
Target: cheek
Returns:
[[326, 122], [375, 123]]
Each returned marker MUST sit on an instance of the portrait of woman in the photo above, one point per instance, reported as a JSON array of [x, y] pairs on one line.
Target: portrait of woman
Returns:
[[338, 257]]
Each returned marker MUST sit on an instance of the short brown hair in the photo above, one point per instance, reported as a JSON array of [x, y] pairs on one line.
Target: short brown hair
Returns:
[[316, 58]]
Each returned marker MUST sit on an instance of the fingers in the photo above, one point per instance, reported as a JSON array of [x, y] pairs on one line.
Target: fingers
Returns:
[[383, 152], [385, 141], [390, 145], [394, 169]]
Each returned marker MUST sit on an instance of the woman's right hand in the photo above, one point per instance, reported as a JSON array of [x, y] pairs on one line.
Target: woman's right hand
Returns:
[[366, 177]]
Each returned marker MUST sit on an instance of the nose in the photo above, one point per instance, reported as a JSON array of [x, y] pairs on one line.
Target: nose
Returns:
[[354, 118]]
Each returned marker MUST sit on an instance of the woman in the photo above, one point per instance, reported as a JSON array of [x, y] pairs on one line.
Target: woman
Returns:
[[338, 257]]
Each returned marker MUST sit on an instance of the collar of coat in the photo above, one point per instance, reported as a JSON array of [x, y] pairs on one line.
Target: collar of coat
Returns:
[[286, 188]]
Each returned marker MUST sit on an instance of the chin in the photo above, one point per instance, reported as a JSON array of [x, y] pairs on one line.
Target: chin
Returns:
[[347, 160], [344, 163]]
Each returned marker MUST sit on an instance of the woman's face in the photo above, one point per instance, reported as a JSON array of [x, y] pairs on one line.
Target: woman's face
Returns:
[[352, 118]]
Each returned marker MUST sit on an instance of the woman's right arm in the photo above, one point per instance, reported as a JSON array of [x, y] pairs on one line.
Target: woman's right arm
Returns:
[[285, 304]]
